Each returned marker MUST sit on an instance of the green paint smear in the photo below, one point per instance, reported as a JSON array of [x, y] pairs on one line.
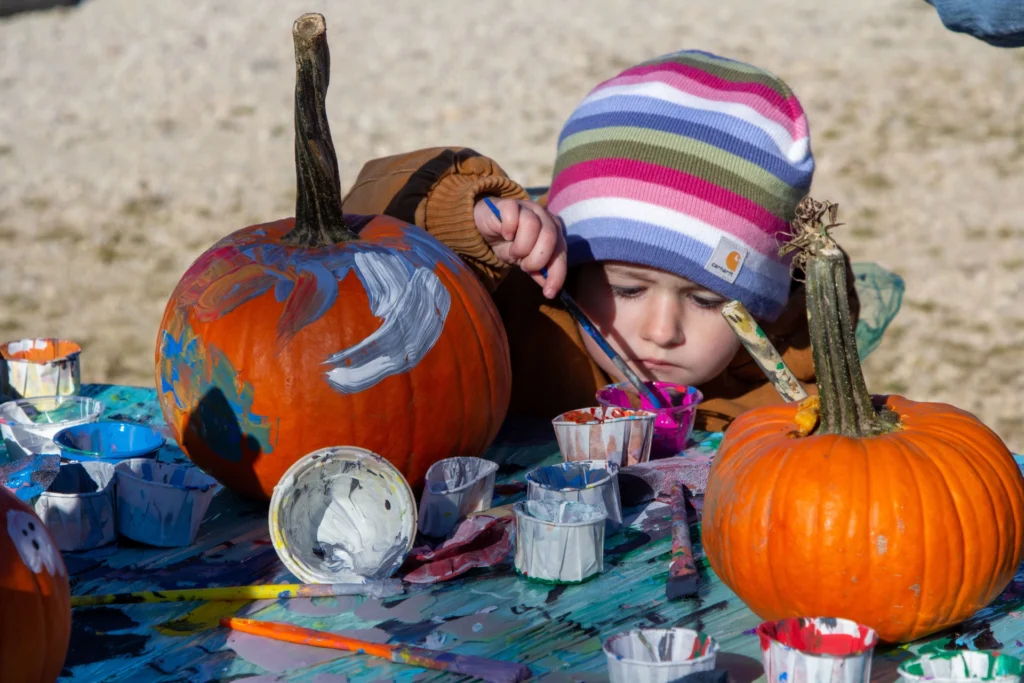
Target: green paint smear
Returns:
[[550, 582], [995, 666]]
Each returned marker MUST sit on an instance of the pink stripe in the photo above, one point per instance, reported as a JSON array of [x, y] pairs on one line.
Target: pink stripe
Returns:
[[743, 230], [626, 169], [787, 112]]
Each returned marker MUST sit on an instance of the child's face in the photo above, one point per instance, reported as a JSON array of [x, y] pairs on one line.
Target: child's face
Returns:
[[666, 327]]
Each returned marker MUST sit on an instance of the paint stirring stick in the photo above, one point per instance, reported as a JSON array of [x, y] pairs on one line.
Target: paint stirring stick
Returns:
[[763, 352], [683, 579], [379, 589], [577, 313], [487, 669]]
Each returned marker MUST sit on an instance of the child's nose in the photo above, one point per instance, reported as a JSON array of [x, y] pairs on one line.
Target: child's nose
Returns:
[[663, 325]]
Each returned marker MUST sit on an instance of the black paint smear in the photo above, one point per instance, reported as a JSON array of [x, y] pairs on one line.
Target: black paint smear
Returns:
[[615, 556], [655, 618], [555, 593], [92, 640], [702, 612], [410, 633], [984, 640], [507, 468]]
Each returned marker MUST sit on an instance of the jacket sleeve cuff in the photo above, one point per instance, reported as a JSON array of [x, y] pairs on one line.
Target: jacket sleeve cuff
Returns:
[[448, 211]]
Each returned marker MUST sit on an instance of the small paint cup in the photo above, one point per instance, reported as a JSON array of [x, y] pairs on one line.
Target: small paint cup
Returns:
[[658, 655], [595, 482], [817, 650], [39, 367], [559, 542], [110, 442], [673, 425], [454, 488], [962, 665], [161, 504], [618, 435], [342, 515], [28, 425], [78, 507]]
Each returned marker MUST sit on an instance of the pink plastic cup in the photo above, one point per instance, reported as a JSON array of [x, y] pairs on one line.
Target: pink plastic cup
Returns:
[[672, 425]]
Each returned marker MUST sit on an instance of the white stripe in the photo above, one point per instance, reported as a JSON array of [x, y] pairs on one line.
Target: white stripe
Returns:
[[675, 221], [793, 149]]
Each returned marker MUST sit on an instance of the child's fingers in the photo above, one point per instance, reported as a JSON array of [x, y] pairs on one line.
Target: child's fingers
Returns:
[[526, 234], [558, 268], [544, 247]]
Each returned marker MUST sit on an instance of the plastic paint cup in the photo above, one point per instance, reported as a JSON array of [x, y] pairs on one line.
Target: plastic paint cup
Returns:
[[31, 423], [110, 442], [161, 504], [817, 650], [962, 665], [617, 435], [342, 515], [559, 542], [39, 367], [672, 425], [78, 507], [595, 482], [658, 655], [454, 488]]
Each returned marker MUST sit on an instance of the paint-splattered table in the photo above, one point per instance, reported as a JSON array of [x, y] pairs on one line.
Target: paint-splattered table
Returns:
[[557, 631]]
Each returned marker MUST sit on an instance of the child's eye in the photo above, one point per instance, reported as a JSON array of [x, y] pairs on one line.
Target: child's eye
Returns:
[[707, 304], [627, 292]]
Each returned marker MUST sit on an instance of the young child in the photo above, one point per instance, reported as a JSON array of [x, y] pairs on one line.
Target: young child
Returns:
[[674, 182]]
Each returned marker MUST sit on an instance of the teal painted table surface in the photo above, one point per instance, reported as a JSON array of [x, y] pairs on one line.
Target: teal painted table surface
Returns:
[[556, 631]]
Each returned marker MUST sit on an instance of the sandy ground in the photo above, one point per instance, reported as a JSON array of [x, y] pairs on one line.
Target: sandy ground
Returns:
[[135, 133]]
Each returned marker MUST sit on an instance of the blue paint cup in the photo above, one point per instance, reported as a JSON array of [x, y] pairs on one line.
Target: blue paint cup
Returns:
[[108, 442]]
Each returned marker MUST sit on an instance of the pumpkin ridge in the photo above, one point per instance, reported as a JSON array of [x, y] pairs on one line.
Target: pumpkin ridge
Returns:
[[953, 440], [774, 489], [467, 407], [960, 551]]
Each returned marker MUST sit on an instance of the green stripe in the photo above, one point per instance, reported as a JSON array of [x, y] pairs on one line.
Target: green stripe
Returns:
[[734, 72], [681, 153]]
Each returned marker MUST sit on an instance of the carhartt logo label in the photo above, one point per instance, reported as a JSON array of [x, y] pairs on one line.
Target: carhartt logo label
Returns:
[[726, 260]]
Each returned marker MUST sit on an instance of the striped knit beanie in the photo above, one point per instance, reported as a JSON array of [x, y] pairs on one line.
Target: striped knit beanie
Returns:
[[690, 163]]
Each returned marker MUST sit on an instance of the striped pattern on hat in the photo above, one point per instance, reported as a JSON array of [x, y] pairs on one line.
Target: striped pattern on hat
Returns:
[[691, 163]]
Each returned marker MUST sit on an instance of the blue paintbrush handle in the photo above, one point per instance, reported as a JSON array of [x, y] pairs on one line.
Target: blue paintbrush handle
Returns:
[[577, 313]]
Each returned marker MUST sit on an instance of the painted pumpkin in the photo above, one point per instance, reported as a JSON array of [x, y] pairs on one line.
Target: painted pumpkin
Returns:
[[328, 329], [903, 516], [35, 600]]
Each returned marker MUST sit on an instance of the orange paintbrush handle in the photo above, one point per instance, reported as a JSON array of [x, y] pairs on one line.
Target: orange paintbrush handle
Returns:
[[479, 667], [290, 633]]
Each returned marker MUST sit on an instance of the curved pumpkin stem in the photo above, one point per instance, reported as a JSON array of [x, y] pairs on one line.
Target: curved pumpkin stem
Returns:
[[846, 406], [319, 221]]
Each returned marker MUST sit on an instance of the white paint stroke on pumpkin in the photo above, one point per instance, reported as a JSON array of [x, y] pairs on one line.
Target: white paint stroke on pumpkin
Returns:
[[413, 303]]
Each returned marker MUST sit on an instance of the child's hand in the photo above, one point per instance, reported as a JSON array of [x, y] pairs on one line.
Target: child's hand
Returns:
[[527, 236]]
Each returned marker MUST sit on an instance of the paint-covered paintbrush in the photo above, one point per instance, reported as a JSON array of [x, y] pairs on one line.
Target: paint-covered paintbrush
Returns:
[[588, 326], [377, 589], [763, 352], [683, 579], [468, 665]]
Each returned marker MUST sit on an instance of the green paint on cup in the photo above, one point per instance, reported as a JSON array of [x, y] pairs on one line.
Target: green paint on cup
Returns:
[[962, 665]]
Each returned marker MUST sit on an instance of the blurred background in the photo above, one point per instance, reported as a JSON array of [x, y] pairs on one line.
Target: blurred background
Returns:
[[134, 134]]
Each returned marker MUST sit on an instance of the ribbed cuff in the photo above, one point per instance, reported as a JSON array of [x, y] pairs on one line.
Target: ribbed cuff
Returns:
[[449, 213]]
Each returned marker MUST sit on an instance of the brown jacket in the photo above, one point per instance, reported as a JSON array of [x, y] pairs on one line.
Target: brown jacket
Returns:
[[436, 189]]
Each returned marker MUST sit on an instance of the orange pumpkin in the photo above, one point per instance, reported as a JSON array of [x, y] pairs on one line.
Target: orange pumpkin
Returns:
[[328, 329], [35, 599], [907, 517]]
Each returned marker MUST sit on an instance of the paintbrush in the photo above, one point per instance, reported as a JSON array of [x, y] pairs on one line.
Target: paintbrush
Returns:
[[683, 579], [377, 589], [588, 326], [763, 352], [468, 665]]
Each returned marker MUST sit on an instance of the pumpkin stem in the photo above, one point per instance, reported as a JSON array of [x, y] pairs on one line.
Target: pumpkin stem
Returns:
[[319, 221], [846, 406]]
